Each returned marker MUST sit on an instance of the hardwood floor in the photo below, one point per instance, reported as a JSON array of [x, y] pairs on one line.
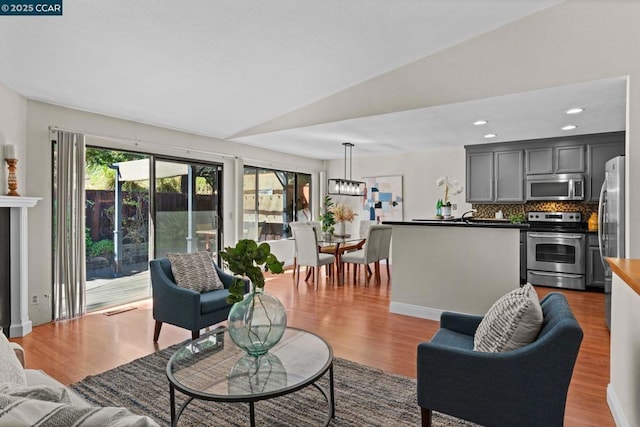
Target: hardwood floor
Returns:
[[355, 320]]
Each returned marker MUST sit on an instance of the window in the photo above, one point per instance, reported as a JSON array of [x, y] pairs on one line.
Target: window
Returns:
[[272, 199]]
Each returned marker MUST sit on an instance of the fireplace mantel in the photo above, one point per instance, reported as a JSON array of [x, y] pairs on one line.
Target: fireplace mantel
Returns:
[[18, 201], [18, 206]]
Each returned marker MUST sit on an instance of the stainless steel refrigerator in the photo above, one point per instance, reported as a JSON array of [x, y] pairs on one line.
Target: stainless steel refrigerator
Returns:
[[611, 222]]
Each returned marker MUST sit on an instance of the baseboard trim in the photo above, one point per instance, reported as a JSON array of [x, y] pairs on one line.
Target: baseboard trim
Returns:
[[616, 408], [415, 310], [21, 329]]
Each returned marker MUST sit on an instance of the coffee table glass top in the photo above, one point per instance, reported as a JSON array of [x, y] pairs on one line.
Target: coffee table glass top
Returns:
[[214, 367]]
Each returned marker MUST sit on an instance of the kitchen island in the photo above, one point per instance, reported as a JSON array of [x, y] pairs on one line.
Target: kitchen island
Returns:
[[452, 266]]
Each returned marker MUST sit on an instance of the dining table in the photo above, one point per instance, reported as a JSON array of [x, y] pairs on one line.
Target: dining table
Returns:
[[338, 245]]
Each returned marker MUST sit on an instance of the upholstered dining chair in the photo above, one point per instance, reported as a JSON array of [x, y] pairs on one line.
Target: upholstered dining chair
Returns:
[[384, 251], [522, 387], [307, 252], [370, 253], [363, 228]]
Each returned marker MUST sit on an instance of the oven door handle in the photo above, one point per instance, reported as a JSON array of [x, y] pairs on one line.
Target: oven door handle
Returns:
[[556, 235], [563, 275]]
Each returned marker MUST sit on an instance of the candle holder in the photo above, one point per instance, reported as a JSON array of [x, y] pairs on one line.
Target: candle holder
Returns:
[[12, 179]]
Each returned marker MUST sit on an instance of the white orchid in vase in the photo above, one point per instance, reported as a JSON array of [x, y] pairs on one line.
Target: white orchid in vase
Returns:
[[451, 188]]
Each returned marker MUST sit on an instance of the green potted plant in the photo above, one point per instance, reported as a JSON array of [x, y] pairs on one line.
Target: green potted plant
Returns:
[[327, 218], [257, 320]]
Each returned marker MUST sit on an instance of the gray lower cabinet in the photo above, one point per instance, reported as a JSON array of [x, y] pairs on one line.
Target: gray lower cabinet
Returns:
[[523, 257], [495, 176], [595, 269]]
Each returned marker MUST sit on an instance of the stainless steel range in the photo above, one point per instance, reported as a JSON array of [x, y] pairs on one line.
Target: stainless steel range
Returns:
[[556, 245]]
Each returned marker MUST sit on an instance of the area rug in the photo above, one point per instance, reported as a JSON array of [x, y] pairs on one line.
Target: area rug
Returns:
[[364, 397]]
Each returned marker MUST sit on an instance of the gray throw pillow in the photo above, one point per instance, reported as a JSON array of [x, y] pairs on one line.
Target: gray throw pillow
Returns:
[[195, 271], [512, 322]]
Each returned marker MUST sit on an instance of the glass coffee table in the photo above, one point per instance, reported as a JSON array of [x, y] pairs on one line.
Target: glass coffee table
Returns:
[[213, 368]]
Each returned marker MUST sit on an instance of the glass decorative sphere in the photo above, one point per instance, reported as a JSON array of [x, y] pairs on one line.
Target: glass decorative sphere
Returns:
[[257, 322]]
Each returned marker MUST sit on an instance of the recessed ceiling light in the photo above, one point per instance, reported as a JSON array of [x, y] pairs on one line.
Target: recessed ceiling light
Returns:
[[480, 122], [575, 110], [490, 135], [569, 127]]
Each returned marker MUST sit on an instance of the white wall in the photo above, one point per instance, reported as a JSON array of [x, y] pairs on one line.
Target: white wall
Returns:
[[575, 41], [122, 134], [13, 116], [419, 171]]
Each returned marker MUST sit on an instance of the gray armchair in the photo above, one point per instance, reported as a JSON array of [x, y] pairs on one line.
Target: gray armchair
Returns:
[[524, 387], [183, 307]]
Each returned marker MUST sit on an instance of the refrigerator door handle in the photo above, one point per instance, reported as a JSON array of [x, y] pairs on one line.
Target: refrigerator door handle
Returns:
[[601, 203]]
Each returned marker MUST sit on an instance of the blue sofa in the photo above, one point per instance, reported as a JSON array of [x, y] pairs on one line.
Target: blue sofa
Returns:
[[523, 387], [183, 307]]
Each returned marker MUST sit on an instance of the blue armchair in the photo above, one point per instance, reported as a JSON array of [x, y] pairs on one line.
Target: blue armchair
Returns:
[[524, 387], [183, 307]]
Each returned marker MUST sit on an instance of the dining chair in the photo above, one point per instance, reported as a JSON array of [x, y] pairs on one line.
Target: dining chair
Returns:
[[364, 227], [384, 251], [295, 225], [307, 253], [369, 254]]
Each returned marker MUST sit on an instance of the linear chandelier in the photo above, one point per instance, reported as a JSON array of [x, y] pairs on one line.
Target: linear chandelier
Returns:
[[347, 187]]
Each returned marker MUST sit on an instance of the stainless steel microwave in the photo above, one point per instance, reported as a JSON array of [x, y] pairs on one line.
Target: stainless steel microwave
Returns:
[[555, 187]]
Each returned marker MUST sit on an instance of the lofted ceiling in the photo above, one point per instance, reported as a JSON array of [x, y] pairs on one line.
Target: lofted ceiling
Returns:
[[221, 68]]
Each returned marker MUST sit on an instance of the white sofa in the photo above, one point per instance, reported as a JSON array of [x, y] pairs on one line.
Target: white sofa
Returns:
[[30, 396], [37, 377]]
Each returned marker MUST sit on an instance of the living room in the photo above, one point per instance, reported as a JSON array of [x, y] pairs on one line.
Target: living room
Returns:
[[597, 43]]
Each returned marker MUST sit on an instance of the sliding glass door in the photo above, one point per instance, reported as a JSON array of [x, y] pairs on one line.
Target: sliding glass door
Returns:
[[128, 192], [271, 200], [117, 227], [187, 207]]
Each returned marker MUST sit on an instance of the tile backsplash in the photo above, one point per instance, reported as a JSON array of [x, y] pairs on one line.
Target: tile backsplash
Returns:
[[489, 211]]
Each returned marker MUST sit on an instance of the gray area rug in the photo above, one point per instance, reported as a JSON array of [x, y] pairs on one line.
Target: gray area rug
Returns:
[[364, 397]]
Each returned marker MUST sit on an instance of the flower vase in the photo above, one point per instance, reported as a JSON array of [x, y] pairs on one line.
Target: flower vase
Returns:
[[446, 211], [340, 229], [257, 322]]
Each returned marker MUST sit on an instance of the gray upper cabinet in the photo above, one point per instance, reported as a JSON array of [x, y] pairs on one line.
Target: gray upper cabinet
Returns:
[[569, 159], [598, 155], [509, 174], [496, 172], [548, 160], [539, 160], [495, 177], [479, 177]]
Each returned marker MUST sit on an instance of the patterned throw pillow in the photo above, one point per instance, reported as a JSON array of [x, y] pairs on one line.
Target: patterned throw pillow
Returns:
[[512, 322], [195, 271], [11, 370]]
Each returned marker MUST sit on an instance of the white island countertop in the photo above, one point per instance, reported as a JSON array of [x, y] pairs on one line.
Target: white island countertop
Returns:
[[457, 222]]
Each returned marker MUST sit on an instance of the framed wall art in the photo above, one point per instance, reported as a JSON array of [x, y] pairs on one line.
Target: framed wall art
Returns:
[[383, 201]]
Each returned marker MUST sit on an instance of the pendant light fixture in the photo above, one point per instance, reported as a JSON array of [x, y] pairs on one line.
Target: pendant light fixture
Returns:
[[346, 187]]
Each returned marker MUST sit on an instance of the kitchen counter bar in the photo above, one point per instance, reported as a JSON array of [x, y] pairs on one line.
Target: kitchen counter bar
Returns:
[[449, 266], [460, 223]]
